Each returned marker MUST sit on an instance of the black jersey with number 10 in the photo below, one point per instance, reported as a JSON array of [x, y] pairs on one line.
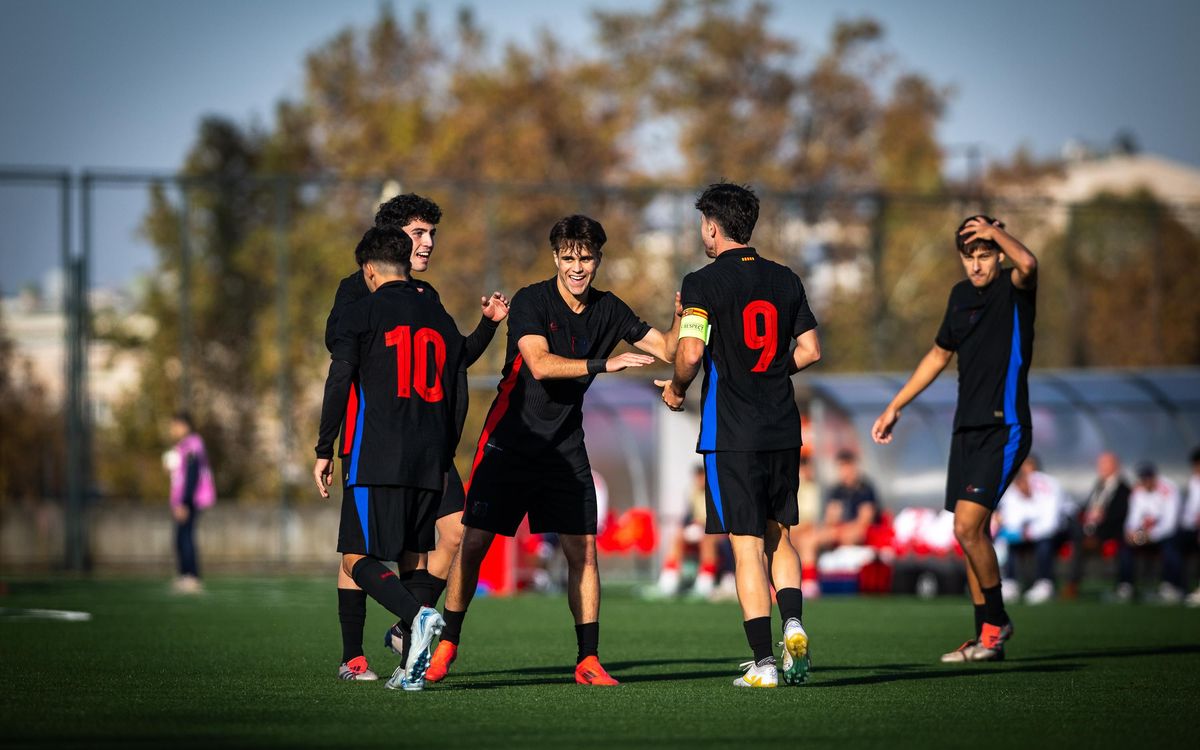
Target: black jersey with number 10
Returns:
[[407, 354], [755, 308]]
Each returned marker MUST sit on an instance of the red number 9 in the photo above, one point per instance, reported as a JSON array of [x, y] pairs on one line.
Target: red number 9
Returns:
[[768, 340]]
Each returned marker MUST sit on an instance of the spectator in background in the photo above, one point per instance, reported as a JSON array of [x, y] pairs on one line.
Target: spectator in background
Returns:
[[1189, 523], [692, 532], [192, 490], [850, 510], [1030, 518], [1102, 519], [1149, 530]]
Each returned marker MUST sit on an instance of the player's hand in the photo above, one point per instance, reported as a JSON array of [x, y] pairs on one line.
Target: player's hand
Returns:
[[881, 431], [978, 229], [628, 359], [180, 512], [323, 474], [678, 305], [495, 308], [673, 400]]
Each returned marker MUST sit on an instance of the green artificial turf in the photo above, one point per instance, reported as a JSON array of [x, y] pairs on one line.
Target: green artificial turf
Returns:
[[252, 663]]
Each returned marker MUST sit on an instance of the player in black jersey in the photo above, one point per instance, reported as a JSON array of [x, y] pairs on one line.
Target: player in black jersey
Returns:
[[402, 354], [989, 324], [741, 315], [531, 458], [425, 575]]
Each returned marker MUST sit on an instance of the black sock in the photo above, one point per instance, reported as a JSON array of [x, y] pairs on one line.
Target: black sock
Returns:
[[382, 585], [979, 617], [420, 583], [758, 635], [791, 604], [993, 606], [587, 636], [454, 622], [437, 586], [352, 614]]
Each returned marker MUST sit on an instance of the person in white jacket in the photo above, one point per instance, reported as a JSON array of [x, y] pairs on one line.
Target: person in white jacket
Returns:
[[1150, 530], [1030, 519]]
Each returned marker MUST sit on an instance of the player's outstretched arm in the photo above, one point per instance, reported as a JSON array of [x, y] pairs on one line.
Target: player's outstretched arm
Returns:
[[663, 345], [807, 352], [687, 366], [543, 365], [333, 408], [492, 310], [1024, 263], [930, 367]]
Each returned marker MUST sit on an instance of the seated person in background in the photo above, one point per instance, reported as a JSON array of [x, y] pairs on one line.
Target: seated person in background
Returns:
[[1101, 520], [850, 510], [692, 532], [1150, 529], [1029, 515], [1189, 523], [808, 500]]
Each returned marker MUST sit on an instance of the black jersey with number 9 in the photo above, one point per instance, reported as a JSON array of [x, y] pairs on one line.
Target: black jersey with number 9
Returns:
[[755, 308]]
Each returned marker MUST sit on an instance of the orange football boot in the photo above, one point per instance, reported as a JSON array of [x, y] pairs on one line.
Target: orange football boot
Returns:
[[589, 672], [439, 664]]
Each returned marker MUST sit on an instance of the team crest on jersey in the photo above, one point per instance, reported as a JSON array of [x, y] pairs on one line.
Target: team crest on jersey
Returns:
[[553, 326]]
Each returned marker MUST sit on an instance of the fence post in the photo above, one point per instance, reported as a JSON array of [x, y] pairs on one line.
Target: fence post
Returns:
[[185, 299], [285, 375]]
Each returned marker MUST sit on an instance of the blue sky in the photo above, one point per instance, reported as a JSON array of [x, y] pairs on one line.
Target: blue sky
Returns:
[[122, 83]]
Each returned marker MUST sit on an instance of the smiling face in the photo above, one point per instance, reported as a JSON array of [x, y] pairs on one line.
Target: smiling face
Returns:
[[576, 266], [422, 234], [982, 265]]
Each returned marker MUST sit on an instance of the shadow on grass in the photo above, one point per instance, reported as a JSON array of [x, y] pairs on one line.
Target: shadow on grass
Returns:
[[1115, 653], [932, 674]]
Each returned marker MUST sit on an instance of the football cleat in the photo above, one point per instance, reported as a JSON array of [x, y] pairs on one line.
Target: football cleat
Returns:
[[796, 661], [426, 626], [393, 639], [961, 654], [356, 669], [439, 664], [764, 674], [991, 642], [589, 672]]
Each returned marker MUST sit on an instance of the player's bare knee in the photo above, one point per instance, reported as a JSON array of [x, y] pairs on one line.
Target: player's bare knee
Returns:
[[580, 551], [474, 545], [348, 562]]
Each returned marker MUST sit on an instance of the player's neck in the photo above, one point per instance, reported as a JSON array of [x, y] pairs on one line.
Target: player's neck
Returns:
[[574, 304], [380, 280], [725, 246]]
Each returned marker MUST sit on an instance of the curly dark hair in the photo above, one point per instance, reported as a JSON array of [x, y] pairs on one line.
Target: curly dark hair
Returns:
[[575, 231], [966, 248], [734, 208], [386, 246], [402, 210]]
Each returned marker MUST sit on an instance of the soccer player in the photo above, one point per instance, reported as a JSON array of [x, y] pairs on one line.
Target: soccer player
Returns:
[[741, 314], [402, 354], [531, 459], [989, 324], [417, 217]]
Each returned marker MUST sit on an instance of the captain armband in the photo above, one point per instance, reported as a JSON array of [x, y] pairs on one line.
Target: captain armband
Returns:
[[695, 324]]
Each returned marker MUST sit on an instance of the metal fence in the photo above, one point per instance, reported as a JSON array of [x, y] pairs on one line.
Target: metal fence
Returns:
[[869, 259]]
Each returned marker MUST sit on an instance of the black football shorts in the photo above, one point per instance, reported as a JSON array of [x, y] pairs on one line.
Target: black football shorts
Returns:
[[983, 462], [554, 489], [454, 497], [384, 522], [745, 489]]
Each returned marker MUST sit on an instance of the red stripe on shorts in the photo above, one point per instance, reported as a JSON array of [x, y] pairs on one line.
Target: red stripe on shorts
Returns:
[[499, 408]]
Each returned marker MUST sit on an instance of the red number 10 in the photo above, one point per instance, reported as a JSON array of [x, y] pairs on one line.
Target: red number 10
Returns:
[[768, 340], [412, 354]]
